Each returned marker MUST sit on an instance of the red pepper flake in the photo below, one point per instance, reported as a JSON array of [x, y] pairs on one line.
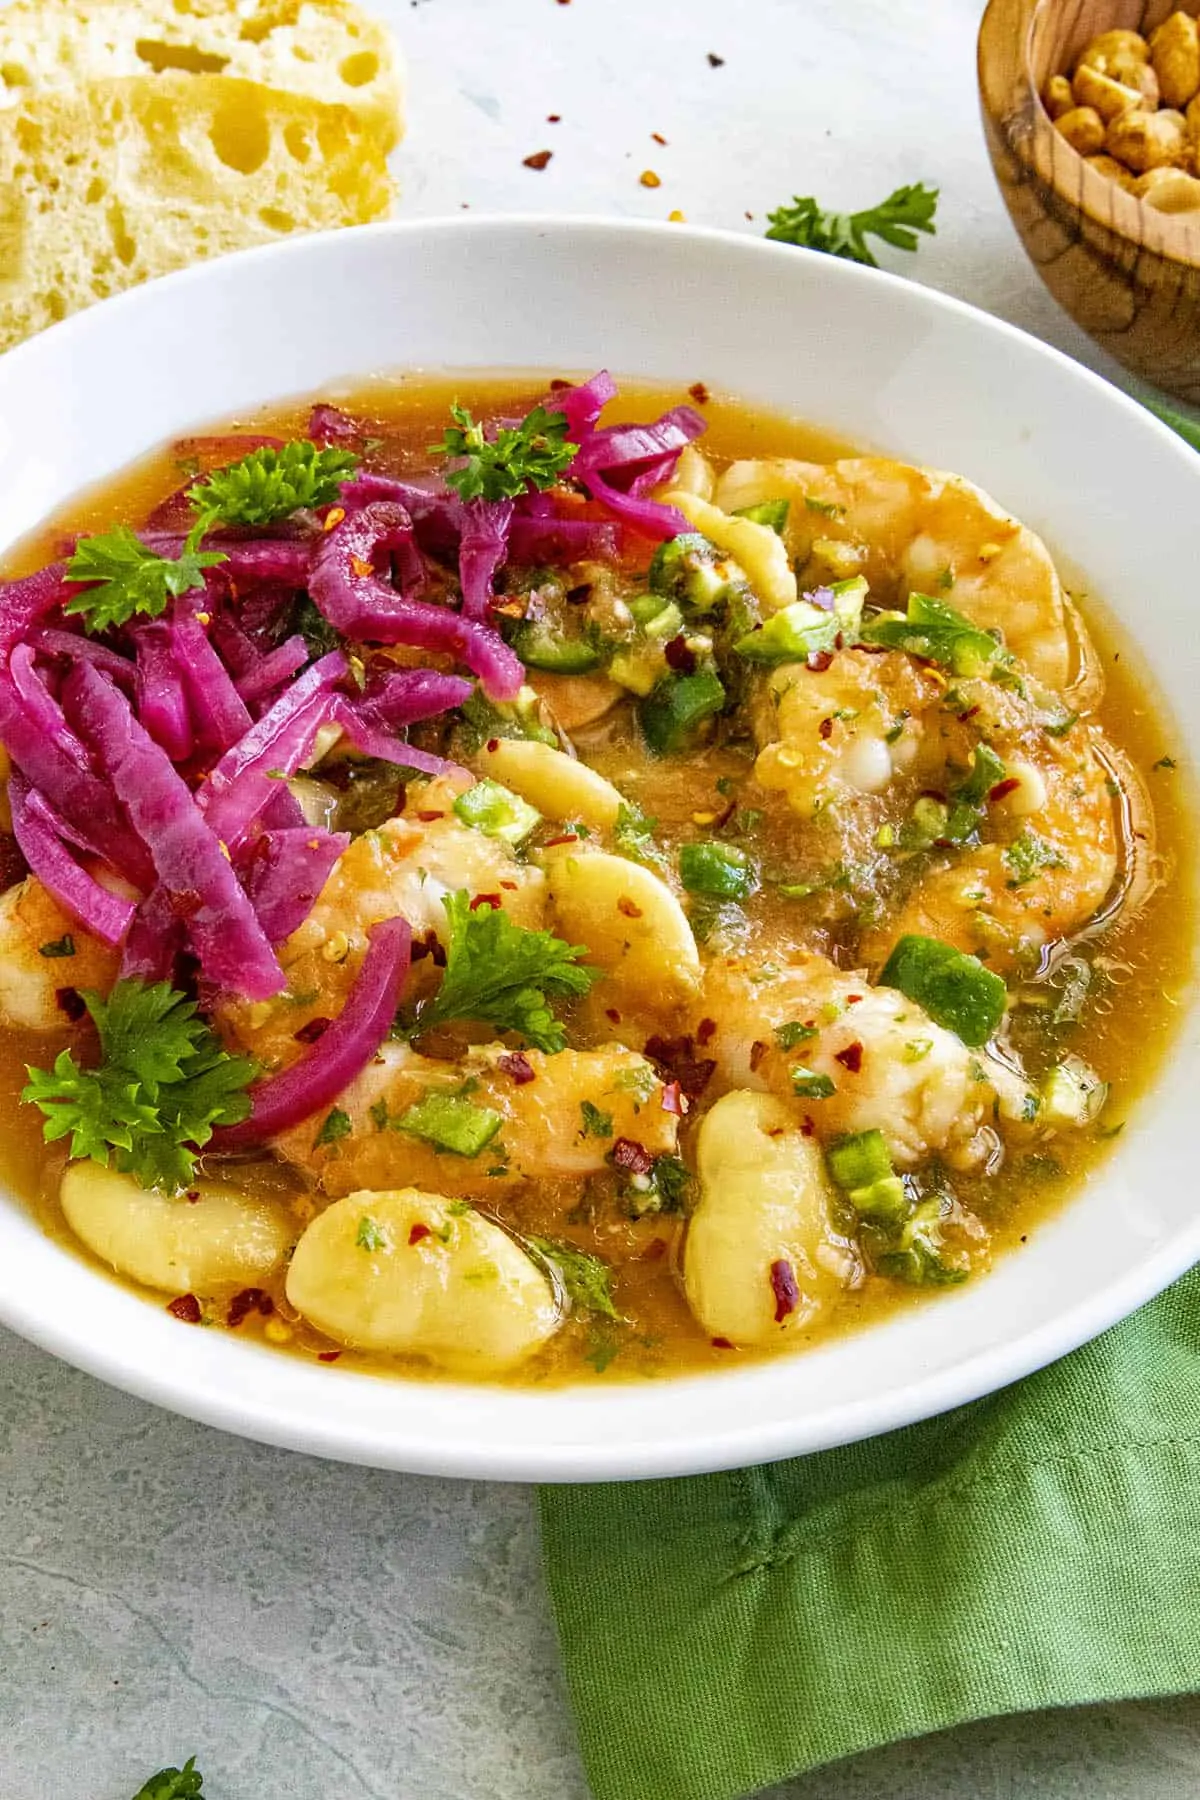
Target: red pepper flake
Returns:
[[699, 393], [673, 1100], [485, 900], [1002, 788], [427, 818], [757, 1051], [70, 1001], [706, 1030], [819, 661], [721, 1344], [554, 118], [850, 1058], [658, 137], [540, 158], [509, 886], [333, 517], [680, 656], [251, 1299], [807, 1128], [785, 1288], [714, 61], [825, 728], [519, 1068], [628, 908], [655, 1250], [419, 1232], [568, 837], [631, 1156], [612, 1015], [316, 1028], [853, 999], [328, 1355], [493, 744], [969, 714], [361, 567], [192, 1196], [677, 1061], [186, 1307]]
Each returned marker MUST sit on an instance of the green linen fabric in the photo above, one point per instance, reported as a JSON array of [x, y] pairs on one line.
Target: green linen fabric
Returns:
[[1038, 1548]]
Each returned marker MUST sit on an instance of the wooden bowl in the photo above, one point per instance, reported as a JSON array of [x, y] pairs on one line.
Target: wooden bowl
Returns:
[[1128, 274]]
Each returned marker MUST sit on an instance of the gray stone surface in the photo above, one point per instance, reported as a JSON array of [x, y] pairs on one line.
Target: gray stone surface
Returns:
[[317, 1632]]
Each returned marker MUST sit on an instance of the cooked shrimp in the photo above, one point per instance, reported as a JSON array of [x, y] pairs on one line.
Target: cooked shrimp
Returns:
[[911, 529], [889, 1066], [406, 867], [544, 1134], [46, 958]]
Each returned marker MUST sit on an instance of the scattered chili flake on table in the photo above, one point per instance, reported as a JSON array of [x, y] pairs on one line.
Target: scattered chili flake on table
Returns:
[[699, 393], [715, 61], [540, 158], [554, 118], [649, 179], [658, 137]]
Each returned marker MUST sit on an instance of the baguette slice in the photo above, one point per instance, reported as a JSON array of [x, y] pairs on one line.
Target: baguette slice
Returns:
[[326, 49], [119, 181]]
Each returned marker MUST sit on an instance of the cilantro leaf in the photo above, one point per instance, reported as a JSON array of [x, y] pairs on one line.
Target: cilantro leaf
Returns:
[[173, 1784], [535, 452], [128, 577], [505, 976], [586, 1279], [633, 836], [163, 1083], [1027, 856], [896, 220], [269, 484]]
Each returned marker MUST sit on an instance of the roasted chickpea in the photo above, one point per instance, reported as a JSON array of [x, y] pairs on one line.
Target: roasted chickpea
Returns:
[[1143, 140], [1175, 54], [1083, 129], [1168, 190], [1104, 95], [1057, 97], [1112, 170]]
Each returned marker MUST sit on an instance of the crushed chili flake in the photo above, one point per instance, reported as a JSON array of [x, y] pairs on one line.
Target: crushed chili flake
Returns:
[[540, 158], [1008, 786], [418, 1232], [699, 393], [328, 1355], [714, 61], [493, 744], [186, 1307], [427, 818], [316, 1028], [333, 517], [673, 1099], [485, 900], [705, 1030], [509, 886], [568, 837], [807, 1128], [819, 661], [850, 1058], [649, 179], [721, 1344], [361, 566], [518, 1067], [680, 656], [658, 137], [251, 1299], [192, 1196], [70, 1001], [757, 1051], [631, 1156], [612, 1015], [554, 118], [825, 728], [628, 908], [785, 1288], [677, 1060], [969, 714], [853, 999]]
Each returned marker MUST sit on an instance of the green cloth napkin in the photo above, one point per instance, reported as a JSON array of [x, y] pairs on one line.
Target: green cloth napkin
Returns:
[[1038, 1548]]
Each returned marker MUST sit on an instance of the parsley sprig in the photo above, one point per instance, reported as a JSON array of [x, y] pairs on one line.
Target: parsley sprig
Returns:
[[531, 454], [173, 1784], [269, 484], [897, 220], [505, 976], [164, 1081], [127, 577]]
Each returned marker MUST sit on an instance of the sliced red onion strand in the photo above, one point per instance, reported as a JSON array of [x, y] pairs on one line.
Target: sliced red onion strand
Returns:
[[482, 548], [49, 641], [102, 914], [155, 940], [272, 670], [246, 777], [371, 741], [582, 404], [283, 872], [341, 1053]]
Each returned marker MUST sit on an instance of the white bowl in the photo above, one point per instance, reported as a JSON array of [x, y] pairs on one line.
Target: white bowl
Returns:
[[891, 365]]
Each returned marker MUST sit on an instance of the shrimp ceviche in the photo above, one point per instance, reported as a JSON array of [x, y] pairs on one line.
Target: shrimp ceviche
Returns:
[[496, 890]]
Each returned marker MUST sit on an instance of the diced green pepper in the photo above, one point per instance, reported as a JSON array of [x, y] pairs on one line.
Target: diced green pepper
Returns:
[[811, 1086], [720, 869], [497, 812], [671, 715], [966, 814], [691, 569], [862, 1168], [484, 719], [916, 1256], [449, 1122], [955, 989], [1072, 1094], [768, 512], [793, 634], [933, 630], [541, 646]]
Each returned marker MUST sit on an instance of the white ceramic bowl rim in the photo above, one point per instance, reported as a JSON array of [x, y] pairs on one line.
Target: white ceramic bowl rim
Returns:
[[872, 357]]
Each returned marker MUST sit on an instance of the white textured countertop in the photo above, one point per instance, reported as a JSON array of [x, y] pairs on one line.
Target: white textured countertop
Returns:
[[316, 1632]]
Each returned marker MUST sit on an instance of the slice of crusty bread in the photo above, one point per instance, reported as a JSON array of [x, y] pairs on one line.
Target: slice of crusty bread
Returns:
[[325, 48], [117, 181]]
